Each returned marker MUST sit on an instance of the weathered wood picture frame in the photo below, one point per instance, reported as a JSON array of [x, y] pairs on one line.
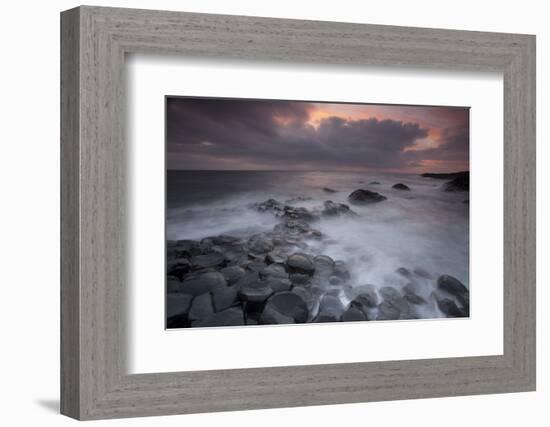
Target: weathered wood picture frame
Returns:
[[94, 381]]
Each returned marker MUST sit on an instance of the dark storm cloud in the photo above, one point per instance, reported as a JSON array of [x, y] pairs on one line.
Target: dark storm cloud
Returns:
[[233, 134]]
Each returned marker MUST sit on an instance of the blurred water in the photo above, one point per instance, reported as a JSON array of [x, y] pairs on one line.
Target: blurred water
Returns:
[[422, 228]]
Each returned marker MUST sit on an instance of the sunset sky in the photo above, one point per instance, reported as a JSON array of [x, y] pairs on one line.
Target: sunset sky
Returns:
[[231, 134]]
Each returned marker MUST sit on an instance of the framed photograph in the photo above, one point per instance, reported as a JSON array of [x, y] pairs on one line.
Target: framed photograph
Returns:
[[262, 213]]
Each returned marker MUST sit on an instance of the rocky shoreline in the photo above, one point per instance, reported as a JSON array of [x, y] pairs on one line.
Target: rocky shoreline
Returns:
[[282, 277]]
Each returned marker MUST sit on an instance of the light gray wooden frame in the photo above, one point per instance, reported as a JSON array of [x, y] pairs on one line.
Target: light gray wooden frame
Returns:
[[94, 41]]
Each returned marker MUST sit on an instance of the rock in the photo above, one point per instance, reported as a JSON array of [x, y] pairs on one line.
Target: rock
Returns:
[[271, 316], [290, 305], [300, 263], [255, 295], [329, 190], [332, 209], [278, 284], [460, 182], [232, 274], [367, 297], [331, 305], [231, 317], [250, 277], [401, 186], [260, 245], [341, 270], [454, 287], [270, 205], [449, 307], [444, 175], [173, 284], [178, 321], [388, 311], [178, 304], [201, 307], [299, 213], [275, 258], [254, 266], [414, 298], [187, 248], [299, 279], [374, 183], [202, 283], [306, 295], [178, 267], [207, 261], [323, 264], [274, 270], [394, 297], [420, 272], [224, 298], [336, 281], [363, 197], [353, 314], [326, 317]]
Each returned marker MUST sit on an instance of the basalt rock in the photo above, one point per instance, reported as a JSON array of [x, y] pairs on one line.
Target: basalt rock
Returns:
[[401, 186], [365, 197]]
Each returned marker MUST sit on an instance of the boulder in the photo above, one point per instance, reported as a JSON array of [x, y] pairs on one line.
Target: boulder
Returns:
[[364, 197], [255, 294], [278, 284], [332, 305], [271, 316], [290, 305], [306, 295], [232, 274], [187, 248], [275, 258], [300, 263], [460, 183], [403, 272], [178, 304], [331, 209], [453, 286], [202, 283], [178, 267], [374, 183], [353, 314], [224, 298], [420, 272], [299, 278], [231, 317], [367, 297], [401, 186], [274, 270], [388, 311], [341, 270], [329, 190], [260, 245], [201, 307], [448, 307], [211, 260], [323, 264]]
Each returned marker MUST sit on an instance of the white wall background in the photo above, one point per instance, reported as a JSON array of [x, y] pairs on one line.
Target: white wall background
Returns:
[[29, 224]]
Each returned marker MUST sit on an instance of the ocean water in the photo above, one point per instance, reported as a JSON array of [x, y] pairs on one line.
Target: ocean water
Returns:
[[425, 228]]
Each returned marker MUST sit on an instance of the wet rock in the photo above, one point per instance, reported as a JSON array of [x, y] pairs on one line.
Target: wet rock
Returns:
[[232, 274], [420, 272], [332, 209], [329, 190], [274, 270], [460, 183], [300, 263], [454, 287], [255, 295], [290, 305], [336, 281], [224, 298], [331, 305], [211, 260], [202, 283], [299, 279], [388, 311], [178, 304], [341, 270], [353, 314], [448, 307], [414, 298], [254, 266], [260, 245], [249, 278], [401, 186], [270, 205], [173, 284], [178, 267], [271, 316], [306, 295], [363, 197], [326, 317], [323, 264], [275, 258], [299, 213], [367, 296], [201, 307], [374, 183], [231, 317], [278, 284], [187, 248]]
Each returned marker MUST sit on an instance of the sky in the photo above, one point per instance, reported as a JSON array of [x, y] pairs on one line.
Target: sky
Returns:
[[234, 134]]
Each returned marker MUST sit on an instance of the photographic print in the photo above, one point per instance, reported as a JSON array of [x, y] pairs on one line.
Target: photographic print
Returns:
[[293, 212]]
